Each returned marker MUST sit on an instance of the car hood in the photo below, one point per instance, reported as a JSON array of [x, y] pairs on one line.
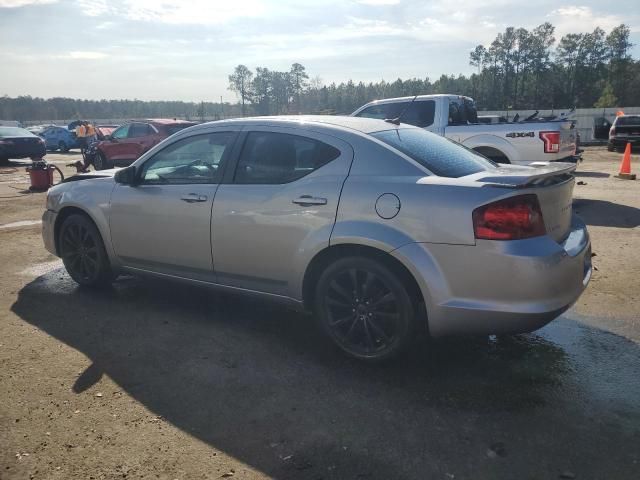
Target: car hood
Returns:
[[89, 175]]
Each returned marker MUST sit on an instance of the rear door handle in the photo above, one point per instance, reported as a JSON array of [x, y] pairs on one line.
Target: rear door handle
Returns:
[[193, 197], [308, 200]]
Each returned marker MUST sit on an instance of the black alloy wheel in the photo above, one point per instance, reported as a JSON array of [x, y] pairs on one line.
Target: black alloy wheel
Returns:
[[365, 308], [82, 250], [100, 161]]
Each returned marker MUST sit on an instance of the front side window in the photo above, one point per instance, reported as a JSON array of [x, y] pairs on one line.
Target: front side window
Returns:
[[121, 132], [196, 159], [441, 156], [277, 158]]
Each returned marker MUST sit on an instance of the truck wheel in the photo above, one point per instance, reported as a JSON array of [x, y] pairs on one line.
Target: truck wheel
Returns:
[[63, 147], [365, 308], [83, 252], [492, 154]]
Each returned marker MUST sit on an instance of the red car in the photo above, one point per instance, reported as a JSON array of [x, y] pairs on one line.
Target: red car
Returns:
[[129, 141]]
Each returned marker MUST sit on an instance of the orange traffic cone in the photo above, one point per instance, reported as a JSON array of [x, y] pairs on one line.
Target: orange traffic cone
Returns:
[[625, 166]]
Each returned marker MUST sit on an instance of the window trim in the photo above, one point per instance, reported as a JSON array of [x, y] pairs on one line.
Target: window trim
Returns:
[[227, 158], [241, 142]]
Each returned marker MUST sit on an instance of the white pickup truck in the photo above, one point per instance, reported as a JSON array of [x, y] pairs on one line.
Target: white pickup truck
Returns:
[[455, 117]]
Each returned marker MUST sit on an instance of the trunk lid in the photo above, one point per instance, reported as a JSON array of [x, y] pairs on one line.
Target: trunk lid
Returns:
[[552, 183]]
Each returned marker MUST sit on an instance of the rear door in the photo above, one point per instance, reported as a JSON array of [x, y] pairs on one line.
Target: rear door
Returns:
[[140, 138], [277, 205]]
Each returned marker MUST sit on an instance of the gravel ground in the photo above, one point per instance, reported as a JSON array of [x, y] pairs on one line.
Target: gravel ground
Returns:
[[154, 380]]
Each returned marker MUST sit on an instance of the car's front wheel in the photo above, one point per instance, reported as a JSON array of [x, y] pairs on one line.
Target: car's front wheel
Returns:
[[365, 308], [83, 254]]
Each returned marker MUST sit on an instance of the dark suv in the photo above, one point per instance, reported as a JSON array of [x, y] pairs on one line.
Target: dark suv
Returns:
[[132, 139], [625, 129]]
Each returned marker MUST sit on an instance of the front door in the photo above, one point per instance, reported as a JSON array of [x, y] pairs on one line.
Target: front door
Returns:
[[115, 147], [163, 224], [279, 205]]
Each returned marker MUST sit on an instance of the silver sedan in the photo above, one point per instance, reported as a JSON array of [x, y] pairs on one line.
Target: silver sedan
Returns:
[[380, 229]]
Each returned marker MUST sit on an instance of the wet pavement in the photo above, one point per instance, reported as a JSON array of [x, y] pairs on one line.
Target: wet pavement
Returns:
[[257, 382]]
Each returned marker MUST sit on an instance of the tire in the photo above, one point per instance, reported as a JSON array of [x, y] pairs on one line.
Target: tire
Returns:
[[493, 154], [4, 161], [100, 162], [83, 253], [365, 308], [63, 147]]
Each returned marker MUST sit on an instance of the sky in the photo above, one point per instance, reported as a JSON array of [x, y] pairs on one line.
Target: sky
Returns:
[[185, 49]]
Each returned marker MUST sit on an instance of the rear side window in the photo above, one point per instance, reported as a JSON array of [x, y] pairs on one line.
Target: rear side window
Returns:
[[171, 129], [277, 158], [441, 156], [420, 113], [139, 130], [383, 111]]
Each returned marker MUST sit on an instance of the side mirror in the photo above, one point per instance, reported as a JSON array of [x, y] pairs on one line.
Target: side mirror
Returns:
[[126, 176]]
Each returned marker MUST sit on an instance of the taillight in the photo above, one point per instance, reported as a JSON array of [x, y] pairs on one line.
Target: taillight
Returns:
[[612, 132], [513, 218], [551, 141]]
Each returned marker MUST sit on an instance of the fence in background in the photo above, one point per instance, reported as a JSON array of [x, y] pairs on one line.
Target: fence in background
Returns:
[[584, 117]]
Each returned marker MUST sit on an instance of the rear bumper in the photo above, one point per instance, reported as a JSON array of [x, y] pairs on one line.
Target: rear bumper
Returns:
[[23, 151], [499, 287], [621, 142]]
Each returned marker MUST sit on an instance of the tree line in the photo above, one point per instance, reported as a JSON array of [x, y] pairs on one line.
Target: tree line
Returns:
[[519, 69]]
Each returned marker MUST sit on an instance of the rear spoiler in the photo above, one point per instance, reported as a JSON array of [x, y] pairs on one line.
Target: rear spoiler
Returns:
[[512, 176]]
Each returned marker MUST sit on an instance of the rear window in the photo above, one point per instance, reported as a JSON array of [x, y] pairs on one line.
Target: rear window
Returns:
[[441, 156], [628, 120]]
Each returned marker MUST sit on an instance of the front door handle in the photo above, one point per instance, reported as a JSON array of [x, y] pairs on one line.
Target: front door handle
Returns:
[[308, 200], [193, 197]]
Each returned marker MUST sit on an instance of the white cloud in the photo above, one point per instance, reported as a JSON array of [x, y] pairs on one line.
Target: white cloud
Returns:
[[22, 3], [84, 55], [202, 12], [580, 18], [378, 2]]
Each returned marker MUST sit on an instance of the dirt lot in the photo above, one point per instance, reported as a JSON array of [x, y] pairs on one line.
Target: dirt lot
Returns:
[[154, 380]]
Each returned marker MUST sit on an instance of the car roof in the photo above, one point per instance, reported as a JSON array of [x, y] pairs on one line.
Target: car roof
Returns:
[[360, 124], [165, 121]]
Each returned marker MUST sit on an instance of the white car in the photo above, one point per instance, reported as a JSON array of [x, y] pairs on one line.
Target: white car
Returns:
[[455, 117]]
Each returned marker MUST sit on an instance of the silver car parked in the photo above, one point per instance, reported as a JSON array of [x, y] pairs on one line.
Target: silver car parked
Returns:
[[380, 229]]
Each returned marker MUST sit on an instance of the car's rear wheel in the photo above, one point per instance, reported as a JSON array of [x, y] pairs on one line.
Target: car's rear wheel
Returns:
[[63, 147], [365, 308], [83, 253], [100, 162]]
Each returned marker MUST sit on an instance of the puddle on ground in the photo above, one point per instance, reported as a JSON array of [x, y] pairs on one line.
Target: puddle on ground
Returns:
[[42, 268], [21, 223]]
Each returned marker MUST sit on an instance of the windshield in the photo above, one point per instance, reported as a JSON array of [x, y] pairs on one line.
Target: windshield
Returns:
[[14, 132], [441, 156]]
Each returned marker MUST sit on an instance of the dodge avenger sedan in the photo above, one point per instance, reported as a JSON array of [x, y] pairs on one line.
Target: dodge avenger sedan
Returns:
[[379, 229]]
